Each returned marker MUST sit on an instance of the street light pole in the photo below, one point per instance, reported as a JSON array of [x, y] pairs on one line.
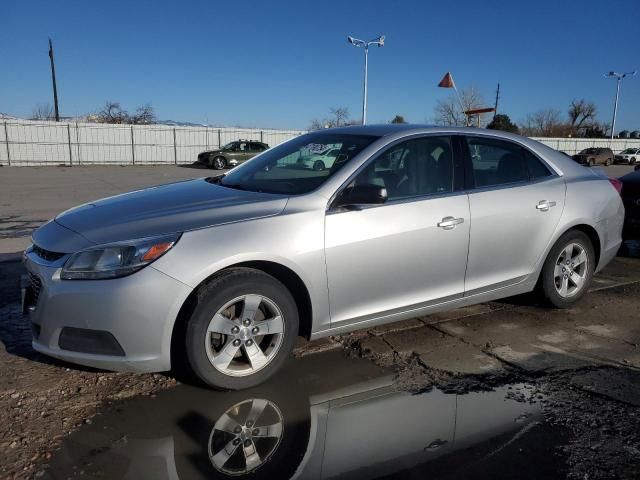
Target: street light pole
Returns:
[[618, 77], [361, 43], [366, 74]]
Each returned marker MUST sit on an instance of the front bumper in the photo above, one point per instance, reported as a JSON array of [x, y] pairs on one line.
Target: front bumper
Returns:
[[139, 311]]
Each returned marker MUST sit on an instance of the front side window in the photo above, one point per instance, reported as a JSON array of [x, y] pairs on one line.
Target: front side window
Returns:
[[413, 168], [496, 162], [282, 169], [230, 147]]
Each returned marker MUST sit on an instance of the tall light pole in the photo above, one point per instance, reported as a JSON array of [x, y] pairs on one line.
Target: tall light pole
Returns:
[[361, 43], [618, 77]]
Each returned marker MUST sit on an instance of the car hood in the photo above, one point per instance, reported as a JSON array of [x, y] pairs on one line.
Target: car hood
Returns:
[[176, 207]]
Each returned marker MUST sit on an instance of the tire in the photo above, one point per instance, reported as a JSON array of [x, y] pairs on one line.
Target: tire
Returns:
[[632, 161], [607, 162], [591, 163], [219, 163], [318, 165], [551, 286], [226, 354]]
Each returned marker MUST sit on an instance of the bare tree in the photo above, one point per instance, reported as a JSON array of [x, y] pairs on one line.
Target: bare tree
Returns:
[[546, 123], [398, 119], [450, 112], [43, 111], [581, 114], [144, 115], [112, 112], [339, 118]]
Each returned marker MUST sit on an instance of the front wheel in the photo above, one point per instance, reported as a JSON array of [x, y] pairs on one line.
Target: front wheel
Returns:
[[318, 165], [568, 269], [607, 162], [219, 163], [242, 329]]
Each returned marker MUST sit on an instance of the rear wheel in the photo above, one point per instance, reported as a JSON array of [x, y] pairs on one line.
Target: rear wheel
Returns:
[[242, 330], [568, 269], [318, 165], [608, 162]]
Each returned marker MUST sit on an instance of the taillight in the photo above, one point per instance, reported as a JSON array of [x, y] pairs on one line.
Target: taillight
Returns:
[[617, 184]]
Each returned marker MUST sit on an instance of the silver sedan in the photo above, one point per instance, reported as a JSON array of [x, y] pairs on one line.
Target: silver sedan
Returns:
[[222, 274]]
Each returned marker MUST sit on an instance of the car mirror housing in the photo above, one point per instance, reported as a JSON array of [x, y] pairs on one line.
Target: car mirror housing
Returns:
[[359, 195]]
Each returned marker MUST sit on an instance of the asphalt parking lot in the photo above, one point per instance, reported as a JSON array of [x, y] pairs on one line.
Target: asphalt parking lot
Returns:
[[567, 381]]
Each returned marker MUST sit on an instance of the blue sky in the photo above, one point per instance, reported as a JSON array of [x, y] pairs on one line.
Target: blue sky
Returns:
[[280, 64]]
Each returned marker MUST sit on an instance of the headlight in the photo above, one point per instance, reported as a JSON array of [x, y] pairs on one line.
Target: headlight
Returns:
[[116, 260]]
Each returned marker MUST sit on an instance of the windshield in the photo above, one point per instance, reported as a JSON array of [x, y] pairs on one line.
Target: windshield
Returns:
[[628, 150], [230, 146], [590, 150], [283, 169]]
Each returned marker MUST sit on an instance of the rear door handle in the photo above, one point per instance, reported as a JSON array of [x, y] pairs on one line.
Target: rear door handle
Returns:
[[544, 205], [449, 223]]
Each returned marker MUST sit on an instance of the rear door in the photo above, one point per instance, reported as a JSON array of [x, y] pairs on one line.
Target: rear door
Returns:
[[515, 202]]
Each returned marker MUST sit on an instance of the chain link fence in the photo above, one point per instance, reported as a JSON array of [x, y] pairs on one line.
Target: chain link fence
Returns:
[[28, 143], [572, 146]]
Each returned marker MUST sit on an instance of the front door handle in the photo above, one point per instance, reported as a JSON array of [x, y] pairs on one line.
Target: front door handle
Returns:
[[544, 205], [449, 223]]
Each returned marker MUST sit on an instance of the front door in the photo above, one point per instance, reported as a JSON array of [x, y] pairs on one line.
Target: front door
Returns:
[[408, 252]]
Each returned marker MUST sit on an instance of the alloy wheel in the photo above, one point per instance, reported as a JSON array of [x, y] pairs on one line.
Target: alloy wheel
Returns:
[[245, 436], [244, 335], [571, 269]]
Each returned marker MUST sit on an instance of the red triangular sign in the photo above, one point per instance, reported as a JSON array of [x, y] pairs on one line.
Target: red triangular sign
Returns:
[[447, 81]]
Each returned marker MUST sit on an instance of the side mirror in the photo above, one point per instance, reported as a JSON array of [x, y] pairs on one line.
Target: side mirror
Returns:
[[358, 195]]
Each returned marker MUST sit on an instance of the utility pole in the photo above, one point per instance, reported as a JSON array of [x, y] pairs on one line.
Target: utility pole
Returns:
[[495, 112], [53, 78]]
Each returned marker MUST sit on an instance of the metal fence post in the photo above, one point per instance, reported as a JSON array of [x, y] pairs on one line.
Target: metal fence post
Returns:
[[133, 149], [69, 142], [6, 141], [219, 139], [78, 142], [261, 136], [175, 148]]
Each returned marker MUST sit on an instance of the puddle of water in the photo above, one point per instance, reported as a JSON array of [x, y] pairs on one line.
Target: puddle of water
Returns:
[[326, 416]]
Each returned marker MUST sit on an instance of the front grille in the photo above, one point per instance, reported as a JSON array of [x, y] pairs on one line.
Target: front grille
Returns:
[[36, 286], [47, 255]]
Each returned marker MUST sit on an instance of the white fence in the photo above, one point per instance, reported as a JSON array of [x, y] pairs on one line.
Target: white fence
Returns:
[[575, 145], [27, 143]]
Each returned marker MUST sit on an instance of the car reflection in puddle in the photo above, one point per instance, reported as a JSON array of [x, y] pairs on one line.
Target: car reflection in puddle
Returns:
[[324, 416]]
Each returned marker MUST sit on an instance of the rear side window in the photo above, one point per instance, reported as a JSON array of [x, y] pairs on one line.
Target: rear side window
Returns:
[[496, 162], [537, 169]]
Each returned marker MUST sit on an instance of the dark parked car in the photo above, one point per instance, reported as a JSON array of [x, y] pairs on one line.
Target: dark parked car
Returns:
[[595, 156], [232, 154], [631, 200]]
